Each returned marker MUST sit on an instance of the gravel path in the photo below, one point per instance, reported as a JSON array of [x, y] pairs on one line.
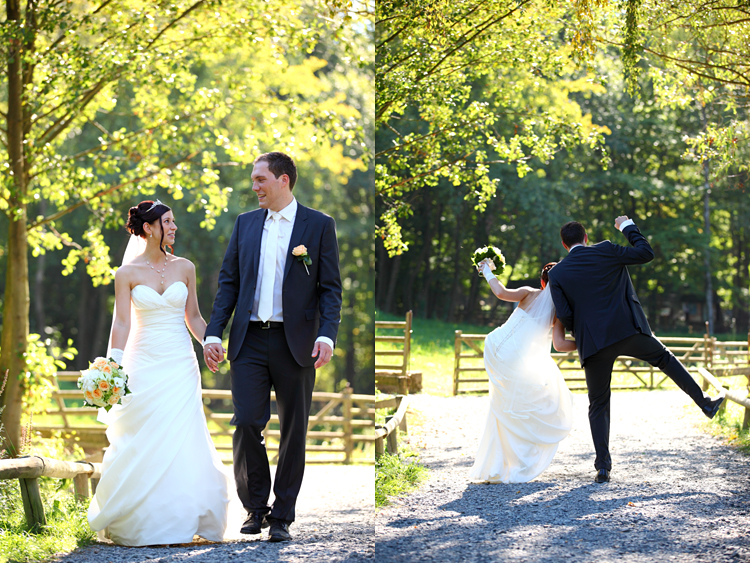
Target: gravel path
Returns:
[[335, 522], [676, 493]]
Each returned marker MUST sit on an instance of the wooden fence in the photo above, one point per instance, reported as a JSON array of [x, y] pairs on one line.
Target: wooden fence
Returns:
[[392, 373], [386, 436], [706, 352], [709, 378], [28, 469], [341, 422]]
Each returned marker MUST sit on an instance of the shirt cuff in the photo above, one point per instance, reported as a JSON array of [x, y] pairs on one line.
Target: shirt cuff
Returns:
[[211, 340], [326, 340], [626, 224]]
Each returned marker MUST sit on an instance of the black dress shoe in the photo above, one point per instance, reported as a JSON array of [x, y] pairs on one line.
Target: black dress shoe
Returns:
[[279, 531], [602, 476], [254, 523], [712, 407]]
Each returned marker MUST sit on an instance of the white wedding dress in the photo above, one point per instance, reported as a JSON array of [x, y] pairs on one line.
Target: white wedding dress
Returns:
[[162, 480], [530, 407]]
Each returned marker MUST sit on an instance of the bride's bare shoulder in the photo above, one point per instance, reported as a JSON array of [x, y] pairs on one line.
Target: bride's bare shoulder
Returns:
[[530, 296], [181, 262]]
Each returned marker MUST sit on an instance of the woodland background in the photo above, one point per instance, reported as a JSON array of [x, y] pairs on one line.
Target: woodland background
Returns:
[[105, 104], [499, 121]]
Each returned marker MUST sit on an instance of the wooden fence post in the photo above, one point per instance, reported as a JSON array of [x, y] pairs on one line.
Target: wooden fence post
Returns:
[[746, 420], [379, 447], [392, 439], [346, 402], [81, 486], [456, 362], [32, 503]]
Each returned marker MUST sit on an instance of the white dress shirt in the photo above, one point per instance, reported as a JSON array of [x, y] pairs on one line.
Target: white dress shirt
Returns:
[[286, 225]]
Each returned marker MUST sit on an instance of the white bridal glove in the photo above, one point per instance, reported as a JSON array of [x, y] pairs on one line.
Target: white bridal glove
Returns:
[[487, 272], [116, 355]]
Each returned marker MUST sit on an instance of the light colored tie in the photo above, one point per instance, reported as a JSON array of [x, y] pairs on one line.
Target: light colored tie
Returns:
[[265, 307]]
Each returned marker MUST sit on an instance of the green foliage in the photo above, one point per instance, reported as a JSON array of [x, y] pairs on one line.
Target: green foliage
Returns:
[[43, 359], [67, 525], [187, 89], [396, 475], [648, 179], [727, 424], [178, 108], [466, 85], [696, 53]]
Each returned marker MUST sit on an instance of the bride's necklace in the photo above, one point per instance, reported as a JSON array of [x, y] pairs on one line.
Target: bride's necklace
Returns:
[[159, 271]]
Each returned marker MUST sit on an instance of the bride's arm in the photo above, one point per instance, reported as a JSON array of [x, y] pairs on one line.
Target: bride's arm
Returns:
[[558, 338], [193, 318], [502, 292], [121, 324]]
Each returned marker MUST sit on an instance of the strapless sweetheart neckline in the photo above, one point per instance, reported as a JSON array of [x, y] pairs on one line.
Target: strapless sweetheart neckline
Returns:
[[157, 293]]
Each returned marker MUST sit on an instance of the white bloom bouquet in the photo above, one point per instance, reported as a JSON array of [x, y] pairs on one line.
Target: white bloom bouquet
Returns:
[[103, 384], [493, 254]]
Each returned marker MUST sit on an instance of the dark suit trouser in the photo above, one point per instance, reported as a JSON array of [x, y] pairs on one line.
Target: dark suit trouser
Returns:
[[265, 361], [598, 370]]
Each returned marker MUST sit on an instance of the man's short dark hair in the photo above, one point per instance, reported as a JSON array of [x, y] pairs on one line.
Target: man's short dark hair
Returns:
[[572, 233], [280, 163]]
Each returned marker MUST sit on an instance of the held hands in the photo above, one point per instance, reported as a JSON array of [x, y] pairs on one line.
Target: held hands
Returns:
[[620, 220], [324, 353], [213, 354]]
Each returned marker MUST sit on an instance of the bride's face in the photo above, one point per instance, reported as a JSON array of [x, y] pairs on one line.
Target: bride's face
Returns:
[[167, 224]]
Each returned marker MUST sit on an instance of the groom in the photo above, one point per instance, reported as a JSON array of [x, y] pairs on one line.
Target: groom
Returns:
[[596, 302], [280, 277]]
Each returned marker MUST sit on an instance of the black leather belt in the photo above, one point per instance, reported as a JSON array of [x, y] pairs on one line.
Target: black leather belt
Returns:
[[267, 324]]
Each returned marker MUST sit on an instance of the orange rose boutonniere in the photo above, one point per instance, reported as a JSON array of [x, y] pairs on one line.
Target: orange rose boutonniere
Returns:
[[301, 253]]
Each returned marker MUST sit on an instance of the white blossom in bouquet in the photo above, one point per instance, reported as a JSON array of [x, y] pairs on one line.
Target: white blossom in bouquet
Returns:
[[104, 384]]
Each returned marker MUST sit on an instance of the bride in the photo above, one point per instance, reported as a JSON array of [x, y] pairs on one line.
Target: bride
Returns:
[[162, 480], [530, 407]]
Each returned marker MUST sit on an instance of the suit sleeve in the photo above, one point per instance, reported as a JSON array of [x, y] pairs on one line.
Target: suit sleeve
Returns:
[[562, 307], [329, 282], [640, 251], [229, 287]]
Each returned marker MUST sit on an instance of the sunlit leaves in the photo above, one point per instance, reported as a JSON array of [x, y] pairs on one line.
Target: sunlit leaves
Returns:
[[468, 85]]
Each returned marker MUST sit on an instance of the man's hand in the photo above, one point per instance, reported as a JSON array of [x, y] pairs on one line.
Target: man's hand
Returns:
[[213, 354], [620, 220], [324, 353]]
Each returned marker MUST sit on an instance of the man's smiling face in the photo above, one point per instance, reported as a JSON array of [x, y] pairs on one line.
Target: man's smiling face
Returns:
[[273, 193]]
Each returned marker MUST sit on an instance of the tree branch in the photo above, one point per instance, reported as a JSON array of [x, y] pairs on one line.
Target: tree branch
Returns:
[[173, 22], [107, 191], [428, 173], [62, 122]]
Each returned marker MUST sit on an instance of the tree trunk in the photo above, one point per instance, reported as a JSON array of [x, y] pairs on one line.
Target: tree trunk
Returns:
[[707, 234], [15, 331], [457, 249], [424, 255], [707, 258], [392, 284]]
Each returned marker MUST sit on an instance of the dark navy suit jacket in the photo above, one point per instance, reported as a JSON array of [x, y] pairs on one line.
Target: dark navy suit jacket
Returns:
[[311, 303], [593, 295]]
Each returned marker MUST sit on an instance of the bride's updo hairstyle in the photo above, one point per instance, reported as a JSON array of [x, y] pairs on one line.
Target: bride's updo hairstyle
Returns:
[[545, 273], [146, 212]]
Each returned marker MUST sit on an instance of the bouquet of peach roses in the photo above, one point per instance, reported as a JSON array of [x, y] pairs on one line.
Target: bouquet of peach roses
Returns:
[[104, 383]]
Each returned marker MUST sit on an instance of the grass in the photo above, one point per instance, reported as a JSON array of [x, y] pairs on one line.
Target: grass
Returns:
[[67, 526], [397, 474], [727, 425]]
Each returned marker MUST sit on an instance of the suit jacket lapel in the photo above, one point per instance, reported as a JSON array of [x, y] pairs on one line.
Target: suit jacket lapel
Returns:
[[256, 235], [300, 224]]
